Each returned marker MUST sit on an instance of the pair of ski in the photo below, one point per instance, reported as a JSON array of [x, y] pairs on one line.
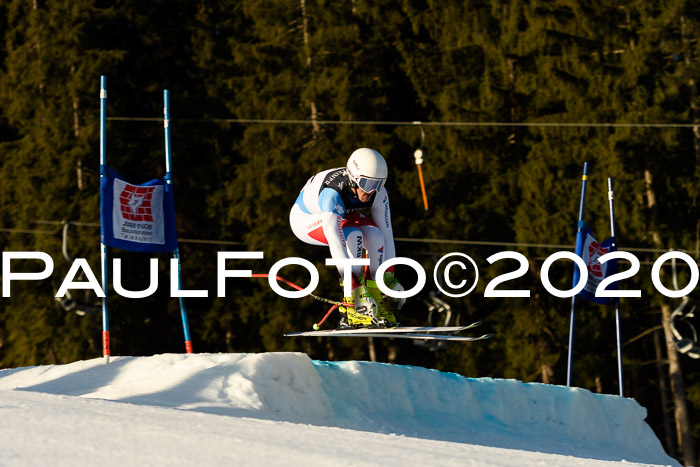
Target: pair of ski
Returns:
[[402, 332]]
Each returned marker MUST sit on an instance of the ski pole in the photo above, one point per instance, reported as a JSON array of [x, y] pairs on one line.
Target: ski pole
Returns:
[[318, 325], [315, 297]]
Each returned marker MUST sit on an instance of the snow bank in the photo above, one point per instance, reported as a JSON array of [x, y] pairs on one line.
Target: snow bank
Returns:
[[502, 413], [391, 399]]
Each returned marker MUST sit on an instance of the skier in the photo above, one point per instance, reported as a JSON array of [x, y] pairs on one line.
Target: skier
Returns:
[[327, 212]]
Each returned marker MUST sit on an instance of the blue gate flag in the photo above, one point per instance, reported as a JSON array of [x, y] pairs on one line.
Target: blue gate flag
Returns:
[[137, 217], [590, 250]]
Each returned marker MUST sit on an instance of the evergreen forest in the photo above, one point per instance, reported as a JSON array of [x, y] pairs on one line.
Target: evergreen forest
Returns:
[[507, 100]]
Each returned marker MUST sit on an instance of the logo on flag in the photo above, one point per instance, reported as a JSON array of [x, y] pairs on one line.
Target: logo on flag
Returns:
[[137, 217], [595, 251], [136, 203], [589, 249], [137, 213]]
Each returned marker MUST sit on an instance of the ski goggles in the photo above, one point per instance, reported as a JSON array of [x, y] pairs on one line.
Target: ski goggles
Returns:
[[369, 185]]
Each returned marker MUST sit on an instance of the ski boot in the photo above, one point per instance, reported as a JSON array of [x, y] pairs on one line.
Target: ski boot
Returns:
[[362, 315], [385, 318]]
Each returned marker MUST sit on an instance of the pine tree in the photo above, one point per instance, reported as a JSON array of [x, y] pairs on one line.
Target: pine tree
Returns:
[[45, 85]]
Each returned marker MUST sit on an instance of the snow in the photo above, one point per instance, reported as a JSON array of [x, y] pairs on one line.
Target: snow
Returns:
[[286, 409]]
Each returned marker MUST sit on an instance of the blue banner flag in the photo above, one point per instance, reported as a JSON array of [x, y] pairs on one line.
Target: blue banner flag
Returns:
[[590, 250], [137, 217]]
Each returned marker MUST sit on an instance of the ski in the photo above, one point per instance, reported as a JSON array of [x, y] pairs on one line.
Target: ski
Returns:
[[382, 331], [427, 337], [406, 335]]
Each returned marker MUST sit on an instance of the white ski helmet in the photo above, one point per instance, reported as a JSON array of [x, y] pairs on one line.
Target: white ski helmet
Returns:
[[367, 169]]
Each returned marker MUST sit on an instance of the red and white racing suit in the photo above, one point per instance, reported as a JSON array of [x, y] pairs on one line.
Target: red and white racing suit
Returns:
[[326, 213]]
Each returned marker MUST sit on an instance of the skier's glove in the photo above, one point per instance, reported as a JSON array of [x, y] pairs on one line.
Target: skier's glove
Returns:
[[391, 282]]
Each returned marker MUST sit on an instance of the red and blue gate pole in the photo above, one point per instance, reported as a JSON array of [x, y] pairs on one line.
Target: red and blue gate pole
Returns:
[[103, 247], [169, 186], [584, 179]]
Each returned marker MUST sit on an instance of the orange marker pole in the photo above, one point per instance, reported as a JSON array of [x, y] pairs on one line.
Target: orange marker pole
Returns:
[[422, 187]]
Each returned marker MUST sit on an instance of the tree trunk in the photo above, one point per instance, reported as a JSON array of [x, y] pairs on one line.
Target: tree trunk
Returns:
[[651, 203], [372, 350], [316, 128], [76, 133], [683, 428], [666, 407]]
